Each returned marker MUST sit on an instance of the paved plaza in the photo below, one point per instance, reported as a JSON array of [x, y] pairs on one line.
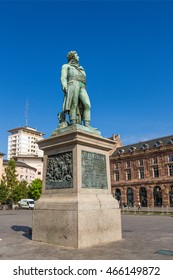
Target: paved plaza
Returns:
[[143, 236]]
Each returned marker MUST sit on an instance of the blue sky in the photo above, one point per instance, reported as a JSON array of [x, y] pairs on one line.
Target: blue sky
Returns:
[[126, 48]]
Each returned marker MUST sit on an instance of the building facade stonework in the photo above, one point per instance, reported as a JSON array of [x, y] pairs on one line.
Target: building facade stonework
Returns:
[[34, 162], [143, 172], [24, 171]]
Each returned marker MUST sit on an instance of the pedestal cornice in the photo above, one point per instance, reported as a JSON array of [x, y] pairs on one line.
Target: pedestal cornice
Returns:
[[77, 136]]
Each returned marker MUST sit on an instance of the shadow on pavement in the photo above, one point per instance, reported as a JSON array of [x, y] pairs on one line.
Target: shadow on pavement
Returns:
[[27, 231]]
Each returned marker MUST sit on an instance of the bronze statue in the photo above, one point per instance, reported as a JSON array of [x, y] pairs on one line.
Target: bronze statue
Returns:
[[76, 100]]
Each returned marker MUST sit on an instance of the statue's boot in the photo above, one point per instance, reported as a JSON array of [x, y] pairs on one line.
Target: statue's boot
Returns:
[[73, 122], [87, 124]]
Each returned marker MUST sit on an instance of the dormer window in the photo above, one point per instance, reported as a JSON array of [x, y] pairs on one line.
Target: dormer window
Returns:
[[171, 141], [145, 146], [132, 149], [158, 143], [120, 151]]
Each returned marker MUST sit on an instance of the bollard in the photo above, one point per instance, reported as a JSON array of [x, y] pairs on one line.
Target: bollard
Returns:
[[148, 209]]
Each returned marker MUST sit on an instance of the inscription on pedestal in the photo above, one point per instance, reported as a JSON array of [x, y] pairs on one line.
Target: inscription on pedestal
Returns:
[[94, 174], [59, 173]]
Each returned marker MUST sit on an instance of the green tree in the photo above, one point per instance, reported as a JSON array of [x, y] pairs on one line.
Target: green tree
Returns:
[[3, 193], [20, 191], [9, 180], [35, 189]]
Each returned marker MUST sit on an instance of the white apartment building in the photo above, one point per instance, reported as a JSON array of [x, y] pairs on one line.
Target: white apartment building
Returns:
[[23, 147], [23, 141]]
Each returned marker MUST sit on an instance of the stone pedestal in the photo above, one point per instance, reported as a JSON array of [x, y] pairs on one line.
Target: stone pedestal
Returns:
[[76, 208]]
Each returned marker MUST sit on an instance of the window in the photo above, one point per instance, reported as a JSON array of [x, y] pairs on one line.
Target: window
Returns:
[[116, 166], [157, 194], [132, 149], [118, 194], [170, 158], [171, 141], [155, 171], [145, 146], [128, 164], [155, 161], [170, 170], [158, 143], [141, 163], [117, 175], [39, 173], [141, 173], [128, 174], [120, 151], [143, 196], [130, 201]]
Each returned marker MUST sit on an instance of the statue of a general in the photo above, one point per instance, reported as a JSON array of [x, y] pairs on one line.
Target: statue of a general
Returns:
[[76, 100]]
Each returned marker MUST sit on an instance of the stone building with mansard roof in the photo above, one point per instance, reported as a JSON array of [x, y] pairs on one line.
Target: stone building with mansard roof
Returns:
[[143, 172], [24, 171]]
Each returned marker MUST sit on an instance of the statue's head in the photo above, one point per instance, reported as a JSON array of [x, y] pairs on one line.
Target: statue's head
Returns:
[[72, 55]]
